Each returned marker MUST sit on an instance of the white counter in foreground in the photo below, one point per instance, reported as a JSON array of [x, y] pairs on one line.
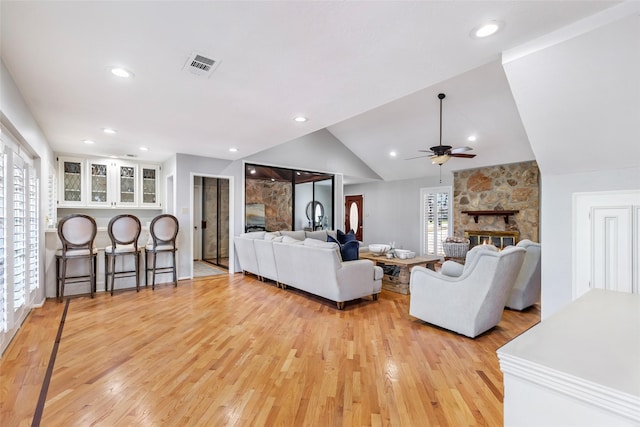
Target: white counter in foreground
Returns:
[[580, 367]]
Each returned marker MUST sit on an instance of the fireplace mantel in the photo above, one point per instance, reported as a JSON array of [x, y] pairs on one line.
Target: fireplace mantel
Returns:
[[502, 213]]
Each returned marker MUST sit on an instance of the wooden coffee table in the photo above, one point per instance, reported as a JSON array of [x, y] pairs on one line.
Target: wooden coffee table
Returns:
[[400, 283]]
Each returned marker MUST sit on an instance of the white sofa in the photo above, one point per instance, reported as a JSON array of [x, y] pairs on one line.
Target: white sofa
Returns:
[[312, 265], [471, 303]]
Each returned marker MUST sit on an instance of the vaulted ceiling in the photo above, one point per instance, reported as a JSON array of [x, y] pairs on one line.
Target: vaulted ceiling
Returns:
[[368, 72]]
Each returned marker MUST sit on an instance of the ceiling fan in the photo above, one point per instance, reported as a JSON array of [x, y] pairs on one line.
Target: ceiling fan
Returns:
[[440, 154]]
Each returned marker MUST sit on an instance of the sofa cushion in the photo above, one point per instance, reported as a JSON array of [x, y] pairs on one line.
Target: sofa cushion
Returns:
[[318, 235], [346, 237], [254, 235], [318, 244], [290, 240], [271, 235], [349, 251], [298, 235]]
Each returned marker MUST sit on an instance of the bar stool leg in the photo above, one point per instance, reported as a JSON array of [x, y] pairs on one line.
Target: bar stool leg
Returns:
[[62, 277], [175, 273], [146, 272], [153, 274], [113, 272], [137, 263]]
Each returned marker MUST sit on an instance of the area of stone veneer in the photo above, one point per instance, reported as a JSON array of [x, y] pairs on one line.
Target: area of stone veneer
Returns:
[[277, 200], [514, 186]]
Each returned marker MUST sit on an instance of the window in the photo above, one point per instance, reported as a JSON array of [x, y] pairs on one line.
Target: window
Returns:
[[19, 235], [3, 215], [33, 241], [436, 215]]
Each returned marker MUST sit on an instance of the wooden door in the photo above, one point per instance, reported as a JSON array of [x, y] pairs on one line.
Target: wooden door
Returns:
[[353, 215]]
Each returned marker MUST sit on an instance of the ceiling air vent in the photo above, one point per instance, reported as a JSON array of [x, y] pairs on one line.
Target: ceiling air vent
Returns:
[[200, 65]]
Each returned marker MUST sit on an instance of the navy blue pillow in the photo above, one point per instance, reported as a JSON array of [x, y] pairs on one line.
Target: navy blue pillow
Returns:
[[344, 238], [350, 251]]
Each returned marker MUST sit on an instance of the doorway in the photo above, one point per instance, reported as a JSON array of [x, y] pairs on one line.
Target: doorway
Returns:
[[211, 221], [353, 215]]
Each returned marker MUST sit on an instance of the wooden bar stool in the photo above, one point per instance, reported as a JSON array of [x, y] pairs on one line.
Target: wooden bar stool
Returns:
[[163, 230], [124, 231], [77, 233]]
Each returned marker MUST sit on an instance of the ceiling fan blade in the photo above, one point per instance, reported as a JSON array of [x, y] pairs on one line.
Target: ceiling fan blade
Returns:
[[460, 150], [419, 157], [425, 151], [466, 156]]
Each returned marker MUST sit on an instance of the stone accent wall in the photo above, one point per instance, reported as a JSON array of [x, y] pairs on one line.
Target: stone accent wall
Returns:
[[277, 199], [513, 186]]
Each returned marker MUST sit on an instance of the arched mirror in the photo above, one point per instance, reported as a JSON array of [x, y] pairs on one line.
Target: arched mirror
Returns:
[[315, 212]]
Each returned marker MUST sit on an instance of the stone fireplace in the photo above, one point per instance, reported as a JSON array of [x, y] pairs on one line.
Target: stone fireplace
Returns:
[[499, 204]]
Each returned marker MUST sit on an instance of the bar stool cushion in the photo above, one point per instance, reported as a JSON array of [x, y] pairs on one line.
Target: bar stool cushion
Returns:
[[122, 249]]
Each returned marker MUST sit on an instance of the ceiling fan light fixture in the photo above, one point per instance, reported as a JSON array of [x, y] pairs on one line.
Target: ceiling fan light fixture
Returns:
[[440, 160]]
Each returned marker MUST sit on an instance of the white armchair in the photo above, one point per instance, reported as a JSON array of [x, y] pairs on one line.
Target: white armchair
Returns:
[[526, 289], [471, 303]]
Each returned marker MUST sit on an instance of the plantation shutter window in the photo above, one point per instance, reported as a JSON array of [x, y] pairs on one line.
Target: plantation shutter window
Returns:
[[436, 223]]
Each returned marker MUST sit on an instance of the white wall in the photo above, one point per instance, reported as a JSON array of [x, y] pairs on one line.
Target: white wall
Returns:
[[556, 233], [392, 210], [15, 114], [187, 166]]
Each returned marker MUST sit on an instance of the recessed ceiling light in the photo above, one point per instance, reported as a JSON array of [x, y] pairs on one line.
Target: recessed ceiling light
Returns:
[[487, 29], [472, 138], [121, 72], [109, 131], [89, 141], [144, 149], [113, 156], [233, 150], [300, 119], [393, 154]]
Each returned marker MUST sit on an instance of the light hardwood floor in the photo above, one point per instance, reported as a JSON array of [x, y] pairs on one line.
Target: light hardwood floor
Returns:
[[236, 351]]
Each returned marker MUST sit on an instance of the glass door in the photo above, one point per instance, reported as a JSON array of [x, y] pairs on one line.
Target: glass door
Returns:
[[215, 221], [150, 186], [72, 182], [127, 174], [99, 185]]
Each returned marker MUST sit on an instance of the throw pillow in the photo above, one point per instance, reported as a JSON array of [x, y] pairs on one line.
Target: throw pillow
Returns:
[[349, 251], [344, 238]]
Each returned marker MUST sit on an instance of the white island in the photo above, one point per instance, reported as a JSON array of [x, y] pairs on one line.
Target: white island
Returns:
[[580, 367]]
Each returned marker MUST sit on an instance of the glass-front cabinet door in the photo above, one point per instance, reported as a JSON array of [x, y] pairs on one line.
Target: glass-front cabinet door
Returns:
[[127, 182], [150, 188], [72, 181], [99, 182]]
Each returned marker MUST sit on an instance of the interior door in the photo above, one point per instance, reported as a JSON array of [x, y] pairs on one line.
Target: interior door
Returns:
[[353, 215]]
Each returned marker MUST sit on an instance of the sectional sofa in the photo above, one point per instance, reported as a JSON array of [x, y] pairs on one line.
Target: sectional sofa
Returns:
[[305, 260]]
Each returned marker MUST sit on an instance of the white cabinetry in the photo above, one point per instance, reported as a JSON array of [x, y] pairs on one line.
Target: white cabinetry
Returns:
[[108, 183]]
